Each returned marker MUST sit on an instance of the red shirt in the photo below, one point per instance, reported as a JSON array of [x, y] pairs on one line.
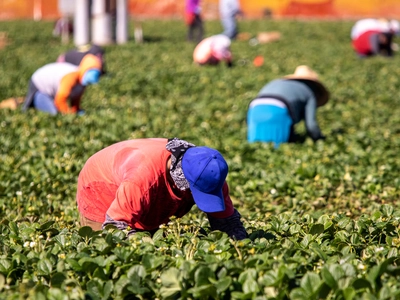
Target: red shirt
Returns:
[[127, 181], [362, 44]]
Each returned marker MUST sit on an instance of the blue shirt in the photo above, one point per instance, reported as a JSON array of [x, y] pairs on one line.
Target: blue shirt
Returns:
[[301, 102]]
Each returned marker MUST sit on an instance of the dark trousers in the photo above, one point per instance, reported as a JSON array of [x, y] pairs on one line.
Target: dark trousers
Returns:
[[196, 30]]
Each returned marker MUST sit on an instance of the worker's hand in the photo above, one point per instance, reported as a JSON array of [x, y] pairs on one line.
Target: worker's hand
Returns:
[[80, 112], [230, 225]]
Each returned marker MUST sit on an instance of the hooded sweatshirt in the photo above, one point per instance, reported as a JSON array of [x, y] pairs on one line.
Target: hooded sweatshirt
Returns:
[[59, 79]]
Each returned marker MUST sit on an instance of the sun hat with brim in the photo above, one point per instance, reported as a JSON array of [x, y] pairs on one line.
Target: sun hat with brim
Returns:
[[308, 76], [205, 169]]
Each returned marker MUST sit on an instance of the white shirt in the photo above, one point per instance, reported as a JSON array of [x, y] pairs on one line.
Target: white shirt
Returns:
[[364, 25]]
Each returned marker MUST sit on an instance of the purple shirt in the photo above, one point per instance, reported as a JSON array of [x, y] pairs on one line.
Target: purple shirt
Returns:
[[192, 6]]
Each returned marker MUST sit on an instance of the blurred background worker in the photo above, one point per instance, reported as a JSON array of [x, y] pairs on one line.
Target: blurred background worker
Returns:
[[75, 56], [194, 21], [374, 37], [58, 87], [284, 102], [213, 50], [229, 10], [140, 184]]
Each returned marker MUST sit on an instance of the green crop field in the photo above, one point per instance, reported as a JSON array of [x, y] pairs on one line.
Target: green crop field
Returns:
[[323, 218]]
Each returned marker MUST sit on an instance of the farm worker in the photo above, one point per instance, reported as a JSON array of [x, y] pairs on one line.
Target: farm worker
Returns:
[[284, 102], [382, 25], [229, 10], [374, 37], [75, 56], [193, 20], [139, 184], [52, 85], [212, 50]]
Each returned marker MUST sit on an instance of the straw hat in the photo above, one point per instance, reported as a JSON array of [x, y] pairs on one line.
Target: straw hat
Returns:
[[310, 77]]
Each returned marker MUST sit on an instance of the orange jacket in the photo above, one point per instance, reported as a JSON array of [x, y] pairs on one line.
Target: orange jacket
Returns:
[[59, 79]]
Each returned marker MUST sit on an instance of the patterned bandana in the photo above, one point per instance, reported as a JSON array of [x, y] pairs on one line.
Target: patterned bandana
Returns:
[[177, 148]]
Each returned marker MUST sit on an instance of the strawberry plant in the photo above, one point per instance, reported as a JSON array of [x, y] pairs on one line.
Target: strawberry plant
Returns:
[[322, 218]]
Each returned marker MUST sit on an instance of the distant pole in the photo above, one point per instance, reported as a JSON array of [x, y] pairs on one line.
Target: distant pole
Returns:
[[81, 23], [122, 22], [37, 10], [101, 23]]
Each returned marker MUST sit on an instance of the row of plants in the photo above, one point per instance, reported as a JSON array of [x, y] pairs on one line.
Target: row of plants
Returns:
[[290, 256]]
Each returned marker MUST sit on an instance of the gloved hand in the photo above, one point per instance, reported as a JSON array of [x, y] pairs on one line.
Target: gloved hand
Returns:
[[231, 225], [80, 112]]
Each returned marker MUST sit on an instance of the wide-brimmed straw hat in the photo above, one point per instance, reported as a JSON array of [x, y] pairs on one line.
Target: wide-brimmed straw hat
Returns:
[[310, 77]]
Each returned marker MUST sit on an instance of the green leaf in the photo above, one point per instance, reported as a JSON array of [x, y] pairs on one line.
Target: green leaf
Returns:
[[310, 283], [107, 290], [86, 232], [349, 293], [240, 295], [387, 210], [317, 229], [170, 281], [317, 249], [137, 270], [46, 225], [376, 215], [100, 274], [60, 239], [122, 282], [349, 270], [250, 286], [295, 228], [202, 275], [306, 240], [207, 291], [393, 253], [343, 222], [14, 228], [249, 273], [372, 275], [151, 261], [223, 284], [94, 289], [361, 283], [74, 264], [57, 279], [385, 293], [326, 221], [158, 235], [328, 278], [44, 267], [299, 294]]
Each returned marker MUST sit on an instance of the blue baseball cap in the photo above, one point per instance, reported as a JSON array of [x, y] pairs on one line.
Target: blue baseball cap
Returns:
[[205, 169]]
